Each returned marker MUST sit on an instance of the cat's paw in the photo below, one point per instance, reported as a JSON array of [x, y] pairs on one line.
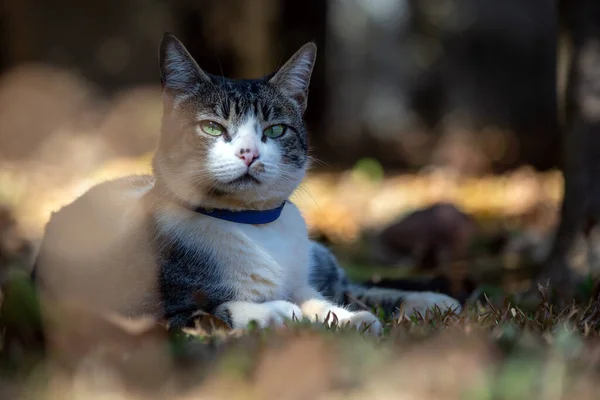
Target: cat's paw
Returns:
[[319, 310], [270, 313], [363, 319], [423, 301], [360, 320], [280, 311]]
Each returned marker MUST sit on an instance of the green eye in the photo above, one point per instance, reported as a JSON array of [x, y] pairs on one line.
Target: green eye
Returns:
[[274, 131], [211, 128]]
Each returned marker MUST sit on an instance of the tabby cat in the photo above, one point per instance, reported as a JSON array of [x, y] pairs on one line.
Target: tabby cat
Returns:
[[212, 230]]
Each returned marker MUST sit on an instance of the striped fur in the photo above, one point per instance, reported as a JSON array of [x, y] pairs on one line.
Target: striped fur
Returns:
[[330, 279]]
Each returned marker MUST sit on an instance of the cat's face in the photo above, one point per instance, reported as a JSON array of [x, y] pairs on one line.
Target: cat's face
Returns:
[[232, 143]]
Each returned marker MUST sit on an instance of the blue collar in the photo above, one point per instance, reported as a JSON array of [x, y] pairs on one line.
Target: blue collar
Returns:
[[251, 217]]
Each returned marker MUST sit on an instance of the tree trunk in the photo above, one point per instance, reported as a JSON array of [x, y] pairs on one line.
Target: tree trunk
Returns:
[[579, 63]]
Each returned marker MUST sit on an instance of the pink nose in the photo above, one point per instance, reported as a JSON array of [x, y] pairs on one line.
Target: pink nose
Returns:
[[248, 155]]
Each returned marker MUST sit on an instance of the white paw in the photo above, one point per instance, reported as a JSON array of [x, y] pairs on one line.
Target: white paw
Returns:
[[270, 313], [320, 310], [422, 301], [280, 311], [362, 320]]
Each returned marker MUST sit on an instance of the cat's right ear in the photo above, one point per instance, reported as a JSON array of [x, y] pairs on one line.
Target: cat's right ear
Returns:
[[179, 73]]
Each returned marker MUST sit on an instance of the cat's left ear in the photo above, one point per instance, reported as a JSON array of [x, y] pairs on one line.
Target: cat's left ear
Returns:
[[294, 77], [179, 72]]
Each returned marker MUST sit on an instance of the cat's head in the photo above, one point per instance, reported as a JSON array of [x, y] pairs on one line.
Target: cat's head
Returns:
[[225, 143]]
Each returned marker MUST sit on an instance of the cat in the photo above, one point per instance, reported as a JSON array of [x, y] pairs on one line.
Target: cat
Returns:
[[213, 229]]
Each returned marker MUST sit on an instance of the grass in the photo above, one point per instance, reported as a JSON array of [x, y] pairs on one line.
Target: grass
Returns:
[[492, 350]]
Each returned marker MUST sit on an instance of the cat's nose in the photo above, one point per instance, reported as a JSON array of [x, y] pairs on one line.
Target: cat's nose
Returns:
[[248, 155]]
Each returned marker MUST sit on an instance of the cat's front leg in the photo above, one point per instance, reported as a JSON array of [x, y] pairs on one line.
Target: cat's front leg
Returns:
[[317, 309], [271, 313]]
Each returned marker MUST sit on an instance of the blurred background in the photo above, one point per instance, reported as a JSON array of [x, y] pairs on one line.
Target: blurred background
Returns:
[[413, 103], [434, 130]]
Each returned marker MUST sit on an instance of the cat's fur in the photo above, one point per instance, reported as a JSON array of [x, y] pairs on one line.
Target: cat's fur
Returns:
[[136, 245]]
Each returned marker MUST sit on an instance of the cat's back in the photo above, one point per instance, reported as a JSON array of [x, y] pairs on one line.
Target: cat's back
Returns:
[[96, 249], [104, 203], [97, 218]]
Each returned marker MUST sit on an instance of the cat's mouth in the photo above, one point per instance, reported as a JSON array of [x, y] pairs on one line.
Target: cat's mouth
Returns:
[[245, 179]]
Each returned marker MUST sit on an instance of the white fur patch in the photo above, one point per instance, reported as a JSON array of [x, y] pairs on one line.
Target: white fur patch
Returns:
[[271, 313], [223, 161]]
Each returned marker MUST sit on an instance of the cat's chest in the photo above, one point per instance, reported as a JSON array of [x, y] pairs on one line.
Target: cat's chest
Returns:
[[280, 246], [265, 262], [253, 262]]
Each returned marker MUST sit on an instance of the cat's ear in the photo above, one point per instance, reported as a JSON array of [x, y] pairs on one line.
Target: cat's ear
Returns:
[[178, 71], [294, 77]]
